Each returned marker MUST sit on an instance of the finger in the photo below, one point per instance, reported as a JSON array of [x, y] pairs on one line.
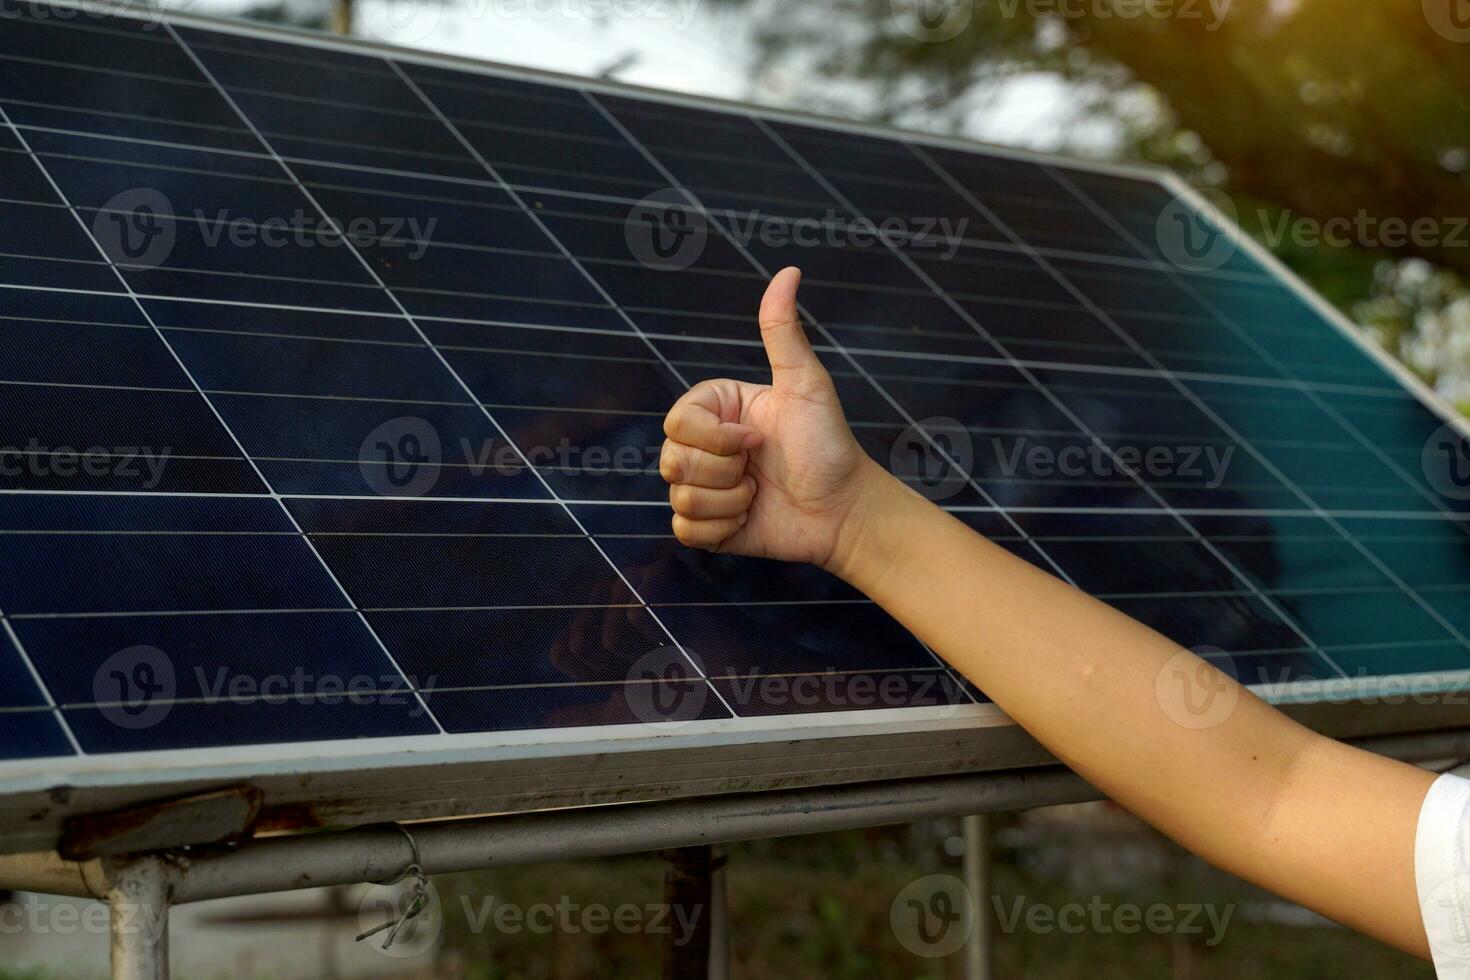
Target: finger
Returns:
[[702, 503], [696, 420], [708, 535], [685, 464], [787, 348]]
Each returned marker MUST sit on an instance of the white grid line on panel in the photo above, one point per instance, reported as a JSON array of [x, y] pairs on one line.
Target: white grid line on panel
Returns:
[[215, 411], [30, 666], [1048, 394], [439, 355], [1102, 259], [934, 445], [1245, 337], [535, 219], [1209, 412]]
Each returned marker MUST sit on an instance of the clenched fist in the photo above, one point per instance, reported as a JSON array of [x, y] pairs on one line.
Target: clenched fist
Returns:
[[770, 471]]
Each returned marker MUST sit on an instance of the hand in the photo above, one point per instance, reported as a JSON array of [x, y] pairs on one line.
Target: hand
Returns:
[[769, 471]]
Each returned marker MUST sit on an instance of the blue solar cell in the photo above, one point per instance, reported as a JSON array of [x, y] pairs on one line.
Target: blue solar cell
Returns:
[[36, 351], [751, 641], [643, 384], [18, 689], [262, 320], [246, 363], [375, 447], [246, 722], [123, 573], [65, 97], [118, 440], [32, 735], [659, 700], [456, 570], [49, 231], [21, 178]]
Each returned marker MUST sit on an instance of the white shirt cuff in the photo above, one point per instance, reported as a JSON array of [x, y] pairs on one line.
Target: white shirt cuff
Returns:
[[1442, 872]]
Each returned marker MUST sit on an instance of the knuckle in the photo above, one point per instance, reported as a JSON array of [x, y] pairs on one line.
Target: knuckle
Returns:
[[668, 463], [682, 497]]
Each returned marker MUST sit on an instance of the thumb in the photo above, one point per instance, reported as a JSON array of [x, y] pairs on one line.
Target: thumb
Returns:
[[787, 348]]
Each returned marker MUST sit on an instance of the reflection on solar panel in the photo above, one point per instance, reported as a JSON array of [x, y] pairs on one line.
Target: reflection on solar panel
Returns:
[[332, 385]]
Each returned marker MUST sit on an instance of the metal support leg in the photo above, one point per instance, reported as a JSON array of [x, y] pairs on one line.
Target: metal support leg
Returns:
[[719, 921], [140, 910], [690, 893], [980, 953]]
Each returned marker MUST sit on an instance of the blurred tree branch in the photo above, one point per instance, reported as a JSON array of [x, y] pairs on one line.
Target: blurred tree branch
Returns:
[[1325, 108]]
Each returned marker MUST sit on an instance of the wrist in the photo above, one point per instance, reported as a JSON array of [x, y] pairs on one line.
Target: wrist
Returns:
[[863, 537]]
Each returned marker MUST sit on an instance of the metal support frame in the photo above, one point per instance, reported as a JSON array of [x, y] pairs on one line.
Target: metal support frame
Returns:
[[288, 863], [693, 887], [139, 900], [142, 889]]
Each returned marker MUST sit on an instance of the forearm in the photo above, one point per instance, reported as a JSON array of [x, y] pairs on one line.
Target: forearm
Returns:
[[1247, 788]]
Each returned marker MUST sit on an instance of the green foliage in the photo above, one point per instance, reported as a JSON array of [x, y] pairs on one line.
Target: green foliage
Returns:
[[8, 973]]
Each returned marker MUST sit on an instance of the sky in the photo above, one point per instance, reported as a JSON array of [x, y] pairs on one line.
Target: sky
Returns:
[[678, 45]]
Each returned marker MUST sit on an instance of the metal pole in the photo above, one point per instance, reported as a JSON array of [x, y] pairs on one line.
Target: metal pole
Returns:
[[689, 897], [719, 920], [980, 952], [139, 898]]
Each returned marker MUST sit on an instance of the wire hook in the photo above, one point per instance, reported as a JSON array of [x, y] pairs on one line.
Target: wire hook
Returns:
[[418, 900]]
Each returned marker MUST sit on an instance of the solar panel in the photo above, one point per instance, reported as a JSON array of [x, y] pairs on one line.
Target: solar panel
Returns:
[[333, 382]]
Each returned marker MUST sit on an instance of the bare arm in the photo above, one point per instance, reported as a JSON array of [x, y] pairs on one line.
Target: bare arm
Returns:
[[775, 472]]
